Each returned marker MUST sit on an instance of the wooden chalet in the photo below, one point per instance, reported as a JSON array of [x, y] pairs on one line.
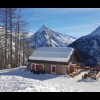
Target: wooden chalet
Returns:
[[54, 60]]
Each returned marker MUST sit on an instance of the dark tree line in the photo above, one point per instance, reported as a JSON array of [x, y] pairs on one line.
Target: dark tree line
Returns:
[[14, 49]]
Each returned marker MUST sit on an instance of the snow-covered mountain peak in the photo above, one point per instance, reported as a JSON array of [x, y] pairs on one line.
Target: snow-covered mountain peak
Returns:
[[46, 37], [43, 28]]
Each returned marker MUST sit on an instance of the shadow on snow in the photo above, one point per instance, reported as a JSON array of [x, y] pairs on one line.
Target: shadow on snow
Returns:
[[27, 74]]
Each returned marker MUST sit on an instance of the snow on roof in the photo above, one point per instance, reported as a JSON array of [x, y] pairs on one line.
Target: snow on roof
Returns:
[[57, 54]]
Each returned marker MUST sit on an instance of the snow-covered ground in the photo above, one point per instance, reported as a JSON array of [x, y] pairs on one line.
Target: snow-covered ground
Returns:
[[80, 75], [20, 80]]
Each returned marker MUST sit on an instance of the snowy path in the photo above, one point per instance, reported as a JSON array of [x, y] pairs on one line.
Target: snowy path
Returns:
[[19, 80]]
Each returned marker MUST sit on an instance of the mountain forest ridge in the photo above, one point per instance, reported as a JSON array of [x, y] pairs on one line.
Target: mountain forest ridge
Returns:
[[88, 48]]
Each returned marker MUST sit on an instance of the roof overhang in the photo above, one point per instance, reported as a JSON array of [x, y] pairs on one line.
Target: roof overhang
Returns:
[[47, 62]]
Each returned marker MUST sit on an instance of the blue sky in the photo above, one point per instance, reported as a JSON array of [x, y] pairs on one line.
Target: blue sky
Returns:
[[75, 22]]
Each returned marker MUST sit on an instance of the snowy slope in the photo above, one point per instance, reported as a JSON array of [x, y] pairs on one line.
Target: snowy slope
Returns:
[[20, 80], [45, 37], [89, 48]]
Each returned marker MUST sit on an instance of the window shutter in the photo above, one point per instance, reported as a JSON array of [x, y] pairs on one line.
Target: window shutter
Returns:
[[33, 67], [40, 67], [57, 70], [50, 69]]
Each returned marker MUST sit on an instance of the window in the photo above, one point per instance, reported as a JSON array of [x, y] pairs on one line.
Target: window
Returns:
[[53, 69], [37, 67]]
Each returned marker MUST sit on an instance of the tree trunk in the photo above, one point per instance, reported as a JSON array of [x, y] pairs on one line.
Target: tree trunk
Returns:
[[6, 40], [11, 38]]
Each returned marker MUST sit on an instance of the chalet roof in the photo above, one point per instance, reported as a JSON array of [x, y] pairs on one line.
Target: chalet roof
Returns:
[[56, 54]]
